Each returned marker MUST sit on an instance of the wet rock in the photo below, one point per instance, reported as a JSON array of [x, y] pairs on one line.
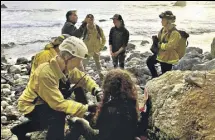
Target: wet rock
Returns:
[[180, 110], [144, 42], [210, 65], [194, 49], [21, 60], [3, 6], [15, 69], [213, 48], [130, 47], [4, 104]]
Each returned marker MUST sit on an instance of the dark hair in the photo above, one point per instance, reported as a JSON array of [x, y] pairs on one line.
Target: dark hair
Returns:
[[118, 84], [69, 13]]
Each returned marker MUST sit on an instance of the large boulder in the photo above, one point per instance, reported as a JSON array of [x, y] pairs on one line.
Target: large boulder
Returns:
[[210, 65], [213, 48], [3, 6], [187, 64], [182, 105]]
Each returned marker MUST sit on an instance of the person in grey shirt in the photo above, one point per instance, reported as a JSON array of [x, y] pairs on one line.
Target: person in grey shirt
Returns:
[[69, 26]]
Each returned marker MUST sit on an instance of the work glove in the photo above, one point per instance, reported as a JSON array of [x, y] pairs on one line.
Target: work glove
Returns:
[[98, 93]]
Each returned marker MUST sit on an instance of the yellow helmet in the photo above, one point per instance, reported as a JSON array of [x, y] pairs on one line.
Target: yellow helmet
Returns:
[[75, 47]]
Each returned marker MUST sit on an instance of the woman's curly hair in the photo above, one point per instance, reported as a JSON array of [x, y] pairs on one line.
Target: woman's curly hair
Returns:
[[118, 83]]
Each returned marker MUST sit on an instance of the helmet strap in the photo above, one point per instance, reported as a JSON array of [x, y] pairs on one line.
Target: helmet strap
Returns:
[[66, 61]]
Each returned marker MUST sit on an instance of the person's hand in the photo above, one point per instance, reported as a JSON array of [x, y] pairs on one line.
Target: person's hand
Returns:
[[111, 53], [92, 108]]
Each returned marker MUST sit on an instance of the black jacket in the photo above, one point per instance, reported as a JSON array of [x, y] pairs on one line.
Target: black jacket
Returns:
[[117, 120], [69, 28], [118, 38]]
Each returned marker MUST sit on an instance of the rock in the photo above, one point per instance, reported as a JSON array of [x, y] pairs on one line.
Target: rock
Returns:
[[3, 59], [187, 64], [210, 65], [213, 48], [8, 45], [3, 119], [180, 110], [193, 49], [15, 69], [12, 113], [4, 104], [196, 78], [23, 119], [144, 42], [105, 57], [180, 3], [5, 86], [3, 81], [3, 6], [16, 76], [2, 109], [6, 91], [5, 134], [130, 47], [102, 20], [21, 60], [105, 48], [207, 57]]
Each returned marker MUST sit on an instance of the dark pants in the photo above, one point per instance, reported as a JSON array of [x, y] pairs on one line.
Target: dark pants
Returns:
[[151, 61], [42, 117], [80, 127], [119, 59]]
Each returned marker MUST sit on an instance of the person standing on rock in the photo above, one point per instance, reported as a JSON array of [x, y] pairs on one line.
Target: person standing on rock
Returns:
[[117, 117], [43, 103], [69, 26], [49, 52], [118, 41], [95, 40], [168, 42]]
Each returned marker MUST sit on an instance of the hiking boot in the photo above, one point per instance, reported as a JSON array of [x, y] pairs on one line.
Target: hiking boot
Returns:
[[19, 136]]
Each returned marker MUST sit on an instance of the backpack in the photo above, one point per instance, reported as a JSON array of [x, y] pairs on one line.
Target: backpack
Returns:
[[183, 43], [98, 30]]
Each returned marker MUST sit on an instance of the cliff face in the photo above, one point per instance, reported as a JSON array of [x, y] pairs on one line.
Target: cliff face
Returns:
[[183, 105]]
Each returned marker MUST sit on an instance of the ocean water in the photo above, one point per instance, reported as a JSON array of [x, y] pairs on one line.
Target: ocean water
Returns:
[[31, 24]]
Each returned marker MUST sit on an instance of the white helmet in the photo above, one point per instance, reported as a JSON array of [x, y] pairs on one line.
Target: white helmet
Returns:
[[74, 46]]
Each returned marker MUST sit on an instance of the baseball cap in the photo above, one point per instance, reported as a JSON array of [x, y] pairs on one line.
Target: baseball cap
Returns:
[[90, 16], [117, 16]]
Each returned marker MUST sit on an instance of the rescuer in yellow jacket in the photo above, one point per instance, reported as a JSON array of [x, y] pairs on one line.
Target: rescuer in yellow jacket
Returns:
[[43, 103], [94, 39], [168, 44], [49, 52]]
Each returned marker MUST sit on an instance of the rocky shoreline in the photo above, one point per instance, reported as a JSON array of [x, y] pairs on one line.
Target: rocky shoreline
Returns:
[[170, 93]]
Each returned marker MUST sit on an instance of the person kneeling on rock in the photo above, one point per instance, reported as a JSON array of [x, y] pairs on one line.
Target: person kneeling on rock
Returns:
[[117, 116], [43, 103], [168, 42], [50, 51]]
